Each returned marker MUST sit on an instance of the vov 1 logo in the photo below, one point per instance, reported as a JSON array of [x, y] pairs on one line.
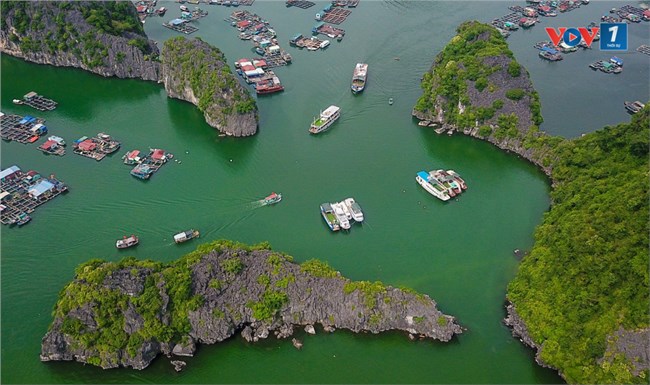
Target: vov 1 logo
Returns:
[[572, 36], [613, 36]]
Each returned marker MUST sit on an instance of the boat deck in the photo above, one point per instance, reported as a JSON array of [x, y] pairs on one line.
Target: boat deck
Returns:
[[311, 43], [20, 200], [58, 150], [12, 129]]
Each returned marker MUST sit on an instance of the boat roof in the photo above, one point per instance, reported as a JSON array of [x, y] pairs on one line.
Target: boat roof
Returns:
[[330, 110], [8, 171], [424, 175], [617, 60], [326, 206], [549, 50]]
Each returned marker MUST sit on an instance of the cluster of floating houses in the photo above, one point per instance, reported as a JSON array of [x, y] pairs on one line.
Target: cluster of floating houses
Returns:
[[256, 73], [611, 66], [257, 30], [96, 147], [442, 184], [338, 215], [526, 17], [182, 24], [21, 192], [22, 129], [333, 13], [146, 165]]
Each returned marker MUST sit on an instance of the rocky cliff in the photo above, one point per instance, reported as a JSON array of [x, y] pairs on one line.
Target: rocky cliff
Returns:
[[104, 37], [476, 87], [197, 72], [127, 313]]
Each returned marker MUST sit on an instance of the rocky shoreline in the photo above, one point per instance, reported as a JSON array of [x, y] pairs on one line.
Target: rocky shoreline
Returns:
[[230, 289], [107, 39], [58, 34]]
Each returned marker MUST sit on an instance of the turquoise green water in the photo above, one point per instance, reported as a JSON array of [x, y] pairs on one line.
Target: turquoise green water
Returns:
[[460, 252]]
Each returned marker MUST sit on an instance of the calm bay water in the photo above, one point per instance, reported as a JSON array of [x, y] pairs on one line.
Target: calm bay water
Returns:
[[460, 253]]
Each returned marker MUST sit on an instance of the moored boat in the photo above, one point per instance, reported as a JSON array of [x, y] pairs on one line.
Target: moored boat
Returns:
[[185, 236], [127, 242], [341, 216], [272, 198], [354, 209], [633, 107], [22, 219], [432, 186], [325, 120], [359, 77], [460, 180], [328, 215]]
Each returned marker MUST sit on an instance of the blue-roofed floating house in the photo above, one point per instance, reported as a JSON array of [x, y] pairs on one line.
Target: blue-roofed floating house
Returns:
[[41, 188]]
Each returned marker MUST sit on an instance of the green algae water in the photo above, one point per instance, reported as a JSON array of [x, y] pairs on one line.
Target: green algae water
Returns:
[[460, 252]]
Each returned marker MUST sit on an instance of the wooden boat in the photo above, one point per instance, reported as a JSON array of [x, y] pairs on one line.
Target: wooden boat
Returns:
[[185, 236], [127, 242]]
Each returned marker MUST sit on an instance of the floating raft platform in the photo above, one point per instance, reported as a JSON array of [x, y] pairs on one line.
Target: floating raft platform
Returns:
[[311, 43], [151, 163], [182, 26], [38, 102], [645, 49], [300, 4], [21, 192], [96, 148], [336, 15], [345, 3], [27, 129], [329, 31], [52, 147]]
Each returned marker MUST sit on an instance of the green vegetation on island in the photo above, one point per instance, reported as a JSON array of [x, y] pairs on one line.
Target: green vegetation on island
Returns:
[[196, 71], [582, 292], [99, 36], [475, 85], [587, 274], [125, 313]]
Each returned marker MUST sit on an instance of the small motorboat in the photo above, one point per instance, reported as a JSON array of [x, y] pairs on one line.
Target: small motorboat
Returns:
[[127, 242], [17, 101], [22, 219], [272, 199], [390, 101]]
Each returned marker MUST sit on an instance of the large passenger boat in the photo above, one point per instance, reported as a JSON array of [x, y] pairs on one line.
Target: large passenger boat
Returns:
[[359, 77], [432, 186], [354, 209], [325, 119]]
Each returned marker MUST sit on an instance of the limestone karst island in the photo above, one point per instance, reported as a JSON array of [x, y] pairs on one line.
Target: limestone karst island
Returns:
[[347, 191]]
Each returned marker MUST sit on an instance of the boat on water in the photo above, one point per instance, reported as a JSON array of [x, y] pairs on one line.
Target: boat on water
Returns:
[[127, 242], [17, 101], [272, 199], [268, 86], [185, 236], [550, 54], [325, 120], [341, 216], [22, 219], [354, 209], [432, 186], [327, 212], [161, 11], [184, 8], [460, 180], [359, 77], [633, 107], [390, 101]]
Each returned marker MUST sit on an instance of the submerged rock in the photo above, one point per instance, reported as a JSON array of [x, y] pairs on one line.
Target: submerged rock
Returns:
[[211, 294], [178, 365], [296, 343]]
